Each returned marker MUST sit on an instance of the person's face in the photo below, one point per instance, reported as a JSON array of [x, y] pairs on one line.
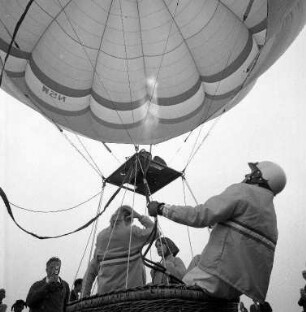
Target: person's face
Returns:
[[53, 268], [78, 287], [161, 249], [253, 167]]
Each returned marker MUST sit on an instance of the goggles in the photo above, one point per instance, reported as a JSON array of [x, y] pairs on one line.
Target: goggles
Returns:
[[255, 177]]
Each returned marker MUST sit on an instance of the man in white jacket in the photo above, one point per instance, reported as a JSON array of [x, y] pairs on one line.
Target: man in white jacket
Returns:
[[239, 255]]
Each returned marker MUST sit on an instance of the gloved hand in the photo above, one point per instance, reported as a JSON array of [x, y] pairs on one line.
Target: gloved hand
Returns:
[[154, 208]]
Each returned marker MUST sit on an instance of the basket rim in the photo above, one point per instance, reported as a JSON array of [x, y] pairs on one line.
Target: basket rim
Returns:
[[149, 293]]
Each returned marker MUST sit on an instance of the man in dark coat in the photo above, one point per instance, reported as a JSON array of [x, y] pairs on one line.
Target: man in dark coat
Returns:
[[51, 293]]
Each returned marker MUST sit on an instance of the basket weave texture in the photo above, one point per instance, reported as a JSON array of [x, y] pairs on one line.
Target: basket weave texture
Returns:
[[155, 298]]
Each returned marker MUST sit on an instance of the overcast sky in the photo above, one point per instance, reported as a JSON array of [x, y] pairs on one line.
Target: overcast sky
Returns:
[[41, 170]]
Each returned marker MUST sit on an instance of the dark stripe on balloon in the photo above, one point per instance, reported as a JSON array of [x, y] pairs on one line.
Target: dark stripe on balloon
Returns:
[[114, 105], [125, 106], [209, 101], [181, 97], [223, 96], [214, 104], [12, 74], [53, 109], [116, 126], [14, 51], [44, 79], [182, 118], [234, 65], [259, 27], [122, 106], [118, 106]]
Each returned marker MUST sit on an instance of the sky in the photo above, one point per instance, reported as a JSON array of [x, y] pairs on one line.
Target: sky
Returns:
[[40, 169]]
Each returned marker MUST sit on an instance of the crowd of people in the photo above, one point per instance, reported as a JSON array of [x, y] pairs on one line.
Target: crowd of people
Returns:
[[243, 237]]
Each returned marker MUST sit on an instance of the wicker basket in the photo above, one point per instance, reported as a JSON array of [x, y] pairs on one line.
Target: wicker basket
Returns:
[[154, 298]]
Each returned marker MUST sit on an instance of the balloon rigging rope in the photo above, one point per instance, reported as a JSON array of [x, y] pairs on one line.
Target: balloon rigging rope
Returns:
[[188, 229], [149, 263], [90, 157], [94, 65], [56, 211], [93, 165], [10, 212], [111, 152], [92, 233], [84, 253], [95, 224], [195, 150], [132, 218], [126, 58]]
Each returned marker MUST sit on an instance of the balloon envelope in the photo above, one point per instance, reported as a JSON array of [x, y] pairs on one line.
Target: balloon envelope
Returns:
[[141, 72]]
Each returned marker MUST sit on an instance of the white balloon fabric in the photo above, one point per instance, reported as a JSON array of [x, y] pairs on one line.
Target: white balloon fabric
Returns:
[[141, 71]]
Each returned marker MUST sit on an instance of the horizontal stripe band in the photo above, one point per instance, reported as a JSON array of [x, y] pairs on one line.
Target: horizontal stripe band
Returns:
[[120, 260], [251, 234], [259, 27], [14, 51], [231, 68]]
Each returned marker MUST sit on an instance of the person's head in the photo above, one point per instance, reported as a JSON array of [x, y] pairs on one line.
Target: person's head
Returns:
[[121, 215], [165, 247], [2, 294], [268, 175], [265, 307], [53, 266], [78, 284], [304, 274], [18, 306]]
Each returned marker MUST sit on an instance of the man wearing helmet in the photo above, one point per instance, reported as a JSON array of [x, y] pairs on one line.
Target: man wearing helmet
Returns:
[[239, 255]]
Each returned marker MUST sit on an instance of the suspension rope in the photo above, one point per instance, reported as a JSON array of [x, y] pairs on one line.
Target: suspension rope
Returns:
[[147, 262], [55, 211], [192, 194], [91, 158], [9, 210], [188, 229], [130, 238], [126, 64], [111, 152], [92, 232], [202, 142], [190, 190], [95, 224]]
